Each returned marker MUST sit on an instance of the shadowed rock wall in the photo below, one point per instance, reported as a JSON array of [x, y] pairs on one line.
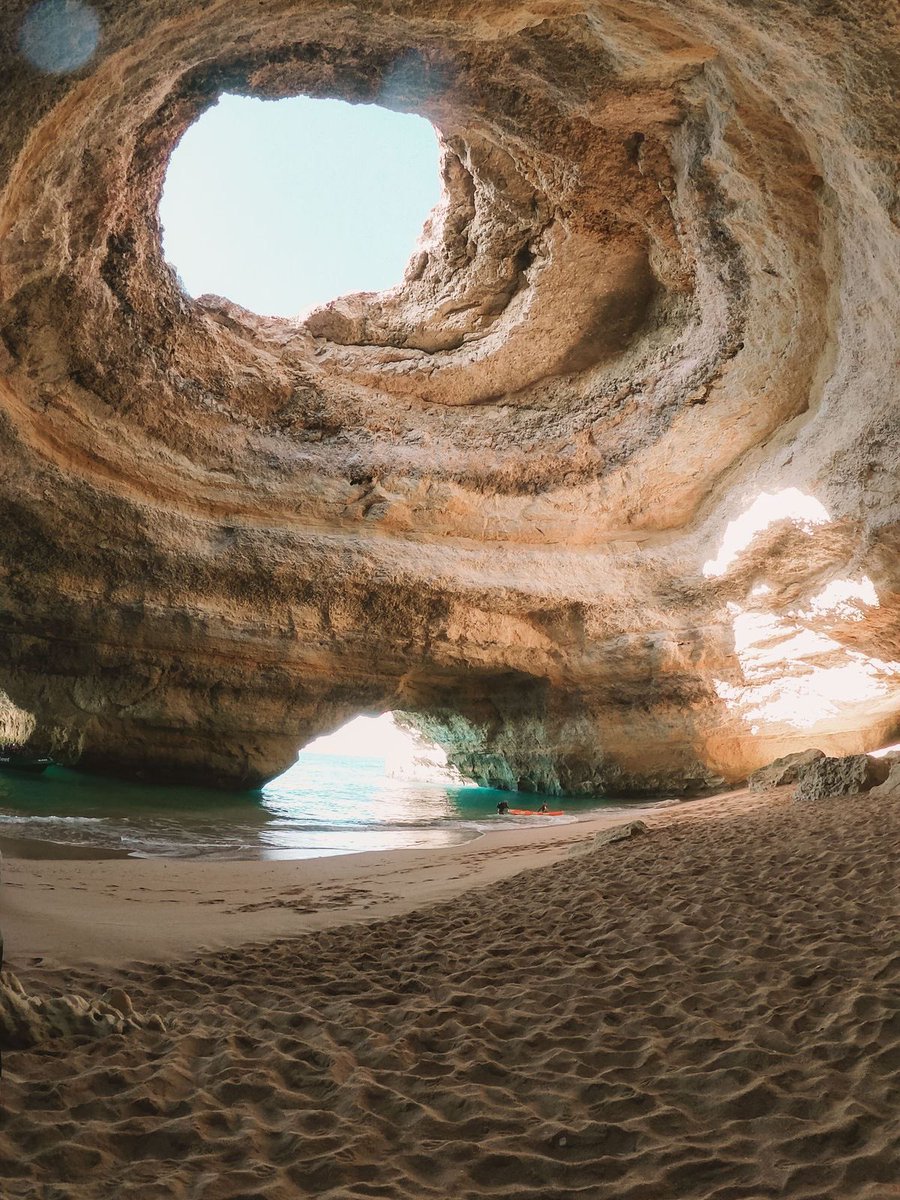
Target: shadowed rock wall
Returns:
[[604, 493]]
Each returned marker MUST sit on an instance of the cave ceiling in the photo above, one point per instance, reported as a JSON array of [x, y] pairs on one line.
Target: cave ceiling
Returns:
[[604, 493]]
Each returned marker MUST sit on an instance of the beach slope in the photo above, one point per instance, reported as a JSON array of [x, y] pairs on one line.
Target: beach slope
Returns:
[[707, 1011]]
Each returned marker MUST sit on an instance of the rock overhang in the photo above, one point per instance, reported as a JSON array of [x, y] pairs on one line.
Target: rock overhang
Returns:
[[490, 495]]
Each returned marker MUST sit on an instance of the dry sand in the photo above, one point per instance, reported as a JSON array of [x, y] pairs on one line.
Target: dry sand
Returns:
[[708, 1012]]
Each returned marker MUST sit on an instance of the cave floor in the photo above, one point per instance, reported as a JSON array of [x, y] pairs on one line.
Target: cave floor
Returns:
[[707, 1011]]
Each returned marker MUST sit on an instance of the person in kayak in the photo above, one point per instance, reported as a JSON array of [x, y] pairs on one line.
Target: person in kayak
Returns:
[[543, 808], [502, 808]]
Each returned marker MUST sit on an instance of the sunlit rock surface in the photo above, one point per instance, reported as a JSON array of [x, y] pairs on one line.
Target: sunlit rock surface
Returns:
[[891, 785], [605, 493], [783, 770], [840, 776]]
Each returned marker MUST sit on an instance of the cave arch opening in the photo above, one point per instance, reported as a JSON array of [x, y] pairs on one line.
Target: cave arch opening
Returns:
[[284, 205], [373, 783], [372, 749]]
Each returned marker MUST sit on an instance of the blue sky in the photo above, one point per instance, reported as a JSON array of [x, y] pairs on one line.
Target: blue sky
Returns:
[[281, 205]]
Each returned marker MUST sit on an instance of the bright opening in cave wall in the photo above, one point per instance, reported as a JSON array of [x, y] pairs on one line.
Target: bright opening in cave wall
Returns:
[[283, 205], [380, 746]]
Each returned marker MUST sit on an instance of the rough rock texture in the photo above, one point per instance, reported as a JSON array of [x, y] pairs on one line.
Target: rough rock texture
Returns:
[[891, 785], [604, 494], [31, 1020], [782, 770], [840, 776], [607, 837]]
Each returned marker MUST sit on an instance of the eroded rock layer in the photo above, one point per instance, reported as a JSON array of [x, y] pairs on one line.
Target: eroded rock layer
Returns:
[[604, 494]]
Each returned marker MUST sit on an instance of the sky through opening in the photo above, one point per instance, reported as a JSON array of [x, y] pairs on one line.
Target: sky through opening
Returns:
[[283, 205]]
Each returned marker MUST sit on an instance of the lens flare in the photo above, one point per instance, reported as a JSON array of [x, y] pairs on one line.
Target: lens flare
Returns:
[[58, 36]]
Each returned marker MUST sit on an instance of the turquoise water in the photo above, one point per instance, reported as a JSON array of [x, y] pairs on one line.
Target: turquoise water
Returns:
[[324, 805]]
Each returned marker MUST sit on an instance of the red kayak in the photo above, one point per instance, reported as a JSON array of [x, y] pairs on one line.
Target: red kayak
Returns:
[[533, 812]]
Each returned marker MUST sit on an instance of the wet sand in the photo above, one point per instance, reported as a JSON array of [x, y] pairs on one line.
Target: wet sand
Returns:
[[73, 905], [706, 1012]]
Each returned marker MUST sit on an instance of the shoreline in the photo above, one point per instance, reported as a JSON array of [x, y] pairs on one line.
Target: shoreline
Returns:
[[45, 850], [73, 819], [71, 907], [24, 846]]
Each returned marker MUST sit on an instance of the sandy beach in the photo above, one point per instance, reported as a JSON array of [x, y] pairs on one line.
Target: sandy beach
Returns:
[[71, 905], [704, 1012]]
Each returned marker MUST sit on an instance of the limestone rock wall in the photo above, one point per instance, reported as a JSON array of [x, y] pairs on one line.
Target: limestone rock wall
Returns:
[[605, 492]]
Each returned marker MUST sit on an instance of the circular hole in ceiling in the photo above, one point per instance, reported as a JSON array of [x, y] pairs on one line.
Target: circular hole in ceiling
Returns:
[[283, 205]]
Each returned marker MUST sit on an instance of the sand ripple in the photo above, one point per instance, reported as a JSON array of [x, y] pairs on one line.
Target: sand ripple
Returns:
[[709, 1013]]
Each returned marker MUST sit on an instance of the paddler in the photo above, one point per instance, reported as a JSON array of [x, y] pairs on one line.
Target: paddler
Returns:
[[502, 808]]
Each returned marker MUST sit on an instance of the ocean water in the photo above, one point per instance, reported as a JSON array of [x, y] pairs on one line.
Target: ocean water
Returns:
[[326, 804]]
